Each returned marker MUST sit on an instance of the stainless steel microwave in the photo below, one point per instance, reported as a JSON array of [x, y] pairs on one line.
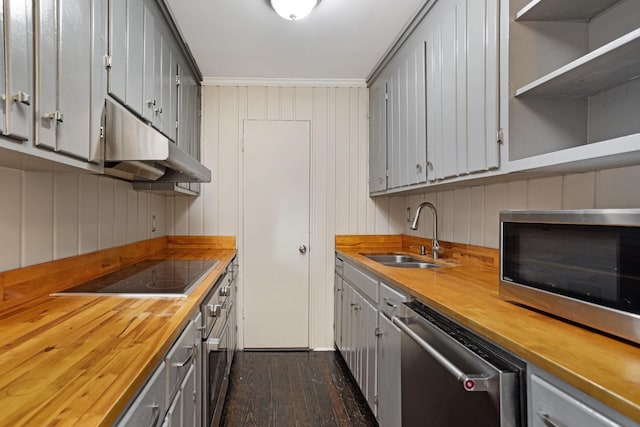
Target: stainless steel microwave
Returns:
[[581, 265]]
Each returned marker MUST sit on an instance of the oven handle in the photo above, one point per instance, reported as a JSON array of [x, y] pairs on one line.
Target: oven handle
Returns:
[[213, 344], [470, 382]]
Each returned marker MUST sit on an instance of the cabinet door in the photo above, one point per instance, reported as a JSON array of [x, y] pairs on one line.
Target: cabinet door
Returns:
[[407, 139], [118, 49], [337, 312], [135, 54], [74, 80], [188, 396], [64, 76], [369, 319], [98, 77], [167, 78], [19, 65], [148, 65], [378, 136], [462, 87], [389, 403]]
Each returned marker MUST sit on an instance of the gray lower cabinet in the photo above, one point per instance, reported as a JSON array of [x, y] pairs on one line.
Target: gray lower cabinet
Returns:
[[173, 391], [389, 375], [555, 403], [356, 320]]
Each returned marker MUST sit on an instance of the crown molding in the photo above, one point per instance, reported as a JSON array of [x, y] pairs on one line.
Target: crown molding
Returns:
[[244, 81]]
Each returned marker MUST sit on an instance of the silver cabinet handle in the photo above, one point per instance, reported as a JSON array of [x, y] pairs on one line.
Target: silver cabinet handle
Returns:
[[150, 103], [470, 382], [418, 168], [155, 409], [186, 361], [391, 303], [56, 115], [22, 97], [214, 310], [548, 421], [225, 291], [302, 249]]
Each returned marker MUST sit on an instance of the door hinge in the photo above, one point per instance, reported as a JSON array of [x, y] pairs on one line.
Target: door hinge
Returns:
[[387, 173], [107, 61], [500, 136], [176, 124], [378, 332], [375, 400], [386, 96], [177, 80], [101, 132]]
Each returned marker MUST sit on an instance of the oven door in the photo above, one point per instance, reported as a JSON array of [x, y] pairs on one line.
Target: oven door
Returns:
[[215, 380]]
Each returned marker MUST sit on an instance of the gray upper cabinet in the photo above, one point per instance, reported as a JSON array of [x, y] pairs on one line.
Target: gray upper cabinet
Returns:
[[442, 106], [406, 127], [462, 87], [378, 136], [151, 103], [149, 73], [126, 52], [17, 70], [64, 76]]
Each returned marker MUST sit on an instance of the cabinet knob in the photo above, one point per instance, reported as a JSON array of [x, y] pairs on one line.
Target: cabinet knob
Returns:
[[150, 103], [418, 168], [56, 115], [22, 97]]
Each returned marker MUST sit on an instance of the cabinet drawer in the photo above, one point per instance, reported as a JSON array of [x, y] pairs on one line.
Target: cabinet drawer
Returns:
[[390, 299], [179, 359], [150, 404], [553, 407], [367, 285]]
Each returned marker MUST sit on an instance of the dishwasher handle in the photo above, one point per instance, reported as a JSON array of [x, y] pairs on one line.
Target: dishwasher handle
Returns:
[[470, 382]]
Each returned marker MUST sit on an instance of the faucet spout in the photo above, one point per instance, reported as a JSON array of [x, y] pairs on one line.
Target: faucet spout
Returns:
[[435, 245]]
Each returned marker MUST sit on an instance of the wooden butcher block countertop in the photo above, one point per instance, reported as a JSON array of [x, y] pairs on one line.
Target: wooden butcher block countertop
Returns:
[[467, 291], [78, 360]]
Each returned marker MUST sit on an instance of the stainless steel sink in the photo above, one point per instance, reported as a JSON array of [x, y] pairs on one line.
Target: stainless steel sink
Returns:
[[392, 258], [400, 260]]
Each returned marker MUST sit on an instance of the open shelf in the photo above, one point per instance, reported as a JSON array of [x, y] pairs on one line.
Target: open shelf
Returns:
[[563, 10], [608, 66], [613, 153]]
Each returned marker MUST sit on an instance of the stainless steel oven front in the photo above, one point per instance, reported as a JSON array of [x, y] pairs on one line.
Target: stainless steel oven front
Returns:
[[215, 349], [581, 265]]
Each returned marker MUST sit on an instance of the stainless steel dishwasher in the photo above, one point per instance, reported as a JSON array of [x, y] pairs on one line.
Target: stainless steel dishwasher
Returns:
[[453, 378]]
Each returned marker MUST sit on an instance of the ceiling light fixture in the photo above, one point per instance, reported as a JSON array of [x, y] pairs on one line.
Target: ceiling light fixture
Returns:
[[293, 10]]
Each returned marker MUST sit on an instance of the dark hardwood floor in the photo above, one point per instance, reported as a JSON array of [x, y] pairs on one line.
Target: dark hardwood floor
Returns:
[[293, 389]]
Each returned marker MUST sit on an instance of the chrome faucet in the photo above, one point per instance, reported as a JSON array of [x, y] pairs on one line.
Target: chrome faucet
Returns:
[[435, 246]]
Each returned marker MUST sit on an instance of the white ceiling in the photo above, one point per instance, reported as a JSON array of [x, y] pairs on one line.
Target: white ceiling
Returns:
[[240, 39]]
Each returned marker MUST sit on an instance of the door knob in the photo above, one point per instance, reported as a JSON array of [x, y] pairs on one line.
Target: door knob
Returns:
[[303, 249]]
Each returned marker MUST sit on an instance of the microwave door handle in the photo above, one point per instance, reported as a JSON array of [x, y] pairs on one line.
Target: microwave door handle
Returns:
[[470, 382]]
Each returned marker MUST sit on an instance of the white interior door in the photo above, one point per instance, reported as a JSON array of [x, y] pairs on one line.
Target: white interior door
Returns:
[[276, 234]]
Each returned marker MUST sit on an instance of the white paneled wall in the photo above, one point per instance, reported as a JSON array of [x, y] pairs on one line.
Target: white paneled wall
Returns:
[[46, 216], [470, 215], [339, 188]]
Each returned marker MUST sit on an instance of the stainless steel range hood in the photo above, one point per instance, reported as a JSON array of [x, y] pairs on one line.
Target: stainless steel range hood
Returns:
[[137, 152]]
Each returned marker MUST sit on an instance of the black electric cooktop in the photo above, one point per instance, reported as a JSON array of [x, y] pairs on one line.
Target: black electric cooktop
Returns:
[[161, 278]]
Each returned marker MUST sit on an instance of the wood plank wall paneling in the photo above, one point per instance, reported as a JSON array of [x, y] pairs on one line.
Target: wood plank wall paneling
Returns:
[[471, 216], [23, 284], [46, 216], [339, 181]]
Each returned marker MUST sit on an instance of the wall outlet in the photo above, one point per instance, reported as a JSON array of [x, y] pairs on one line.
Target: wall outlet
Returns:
[[153, 223]]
